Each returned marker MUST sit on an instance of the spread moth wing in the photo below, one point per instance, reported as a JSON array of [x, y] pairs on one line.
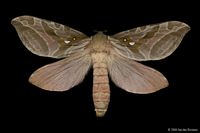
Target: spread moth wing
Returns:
[[133, 76], [50, 39], [151, 42], [47, 38], [62, 75]]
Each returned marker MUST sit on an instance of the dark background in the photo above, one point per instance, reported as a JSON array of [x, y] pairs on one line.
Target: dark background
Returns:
[[26, 106]]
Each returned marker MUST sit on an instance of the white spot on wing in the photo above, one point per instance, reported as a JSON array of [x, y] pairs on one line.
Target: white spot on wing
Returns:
[[131, 43], [67, 42], [124, 39]]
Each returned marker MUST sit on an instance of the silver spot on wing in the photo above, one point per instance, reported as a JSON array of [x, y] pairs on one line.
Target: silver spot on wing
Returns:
[[66, 41], [131, 43]]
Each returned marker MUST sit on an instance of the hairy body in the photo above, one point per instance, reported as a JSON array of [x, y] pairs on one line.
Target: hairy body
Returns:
[[101, 89]]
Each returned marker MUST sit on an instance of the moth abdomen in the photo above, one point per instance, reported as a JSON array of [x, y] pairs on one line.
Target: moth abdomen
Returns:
[[101, 89]]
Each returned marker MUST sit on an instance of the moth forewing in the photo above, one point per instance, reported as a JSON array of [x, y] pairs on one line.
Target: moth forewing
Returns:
[[47, 38], [151, 42]]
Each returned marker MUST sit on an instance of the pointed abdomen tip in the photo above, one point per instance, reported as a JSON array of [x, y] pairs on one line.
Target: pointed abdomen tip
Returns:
[[100, 112]]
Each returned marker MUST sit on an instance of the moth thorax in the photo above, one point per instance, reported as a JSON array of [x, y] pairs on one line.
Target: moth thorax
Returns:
[[99, 42]]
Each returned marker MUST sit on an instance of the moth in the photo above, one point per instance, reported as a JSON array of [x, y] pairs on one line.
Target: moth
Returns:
[[114, 55]]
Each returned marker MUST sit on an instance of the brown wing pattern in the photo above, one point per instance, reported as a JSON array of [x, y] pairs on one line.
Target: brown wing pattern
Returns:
[[151, 42], [47, 38]]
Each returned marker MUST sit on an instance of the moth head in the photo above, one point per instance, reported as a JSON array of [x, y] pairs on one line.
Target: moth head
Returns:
[[100, 37]]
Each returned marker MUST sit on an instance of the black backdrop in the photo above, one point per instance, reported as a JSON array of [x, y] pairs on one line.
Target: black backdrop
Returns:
[[26, 106]]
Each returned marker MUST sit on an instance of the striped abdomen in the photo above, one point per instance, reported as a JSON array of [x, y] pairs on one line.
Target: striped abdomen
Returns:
[[101, 89]]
